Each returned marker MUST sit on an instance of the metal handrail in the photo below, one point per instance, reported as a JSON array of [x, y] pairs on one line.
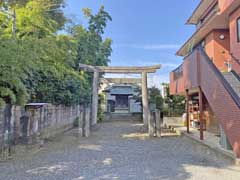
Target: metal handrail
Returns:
[[235, 75], [176, 69]]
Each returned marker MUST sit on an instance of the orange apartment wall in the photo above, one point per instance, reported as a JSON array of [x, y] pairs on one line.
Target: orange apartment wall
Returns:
[[217, 49], [209, 45], [221, 49], [235, 46]]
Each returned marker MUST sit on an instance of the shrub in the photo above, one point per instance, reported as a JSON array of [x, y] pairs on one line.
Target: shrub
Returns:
[[76, 122]]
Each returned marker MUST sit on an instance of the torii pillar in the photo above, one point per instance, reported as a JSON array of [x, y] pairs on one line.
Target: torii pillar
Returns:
[[95, 97], [145, 105], [95, 84], [120, 70]]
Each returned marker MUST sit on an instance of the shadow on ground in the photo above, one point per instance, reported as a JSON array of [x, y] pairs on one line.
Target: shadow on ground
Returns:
[[120, 150]]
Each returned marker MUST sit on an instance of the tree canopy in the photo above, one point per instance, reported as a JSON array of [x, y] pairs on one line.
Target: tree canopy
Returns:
[[38, 64], [38, 18]]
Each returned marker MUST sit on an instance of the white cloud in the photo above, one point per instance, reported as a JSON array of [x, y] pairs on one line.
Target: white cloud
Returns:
[[149, 46], [156, 80], [153, 79], [150, 63], [110, 75], [161, 46], [169, 65]]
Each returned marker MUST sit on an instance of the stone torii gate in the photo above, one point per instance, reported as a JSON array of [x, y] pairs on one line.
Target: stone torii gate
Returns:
[[120, 70]]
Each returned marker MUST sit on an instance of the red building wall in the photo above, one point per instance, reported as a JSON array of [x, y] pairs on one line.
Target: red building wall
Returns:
[[235, 46]]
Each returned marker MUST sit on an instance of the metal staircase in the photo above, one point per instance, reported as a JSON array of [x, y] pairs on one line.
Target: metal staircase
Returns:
[[222, 91], [234, 80]]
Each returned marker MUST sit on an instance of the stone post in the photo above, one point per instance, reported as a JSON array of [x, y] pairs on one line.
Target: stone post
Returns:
[[145, 99], [151, 125], [95, 98], [86, 122], [17, 116], [159, 121], [81, 116]]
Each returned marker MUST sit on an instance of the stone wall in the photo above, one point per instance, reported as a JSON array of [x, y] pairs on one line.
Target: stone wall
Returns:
[[28, 125], [122, 117], [173, 120]]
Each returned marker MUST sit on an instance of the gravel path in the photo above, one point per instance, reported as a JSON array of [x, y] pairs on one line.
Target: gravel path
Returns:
[[119, 151]]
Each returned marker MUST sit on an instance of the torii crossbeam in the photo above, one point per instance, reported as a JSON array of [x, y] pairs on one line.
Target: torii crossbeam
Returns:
[[143, 70]]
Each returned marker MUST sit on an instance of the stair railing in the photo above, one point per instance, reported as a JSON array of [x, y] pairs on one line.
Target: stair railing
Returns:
[[236, 75], [219, 75], [235, 59]]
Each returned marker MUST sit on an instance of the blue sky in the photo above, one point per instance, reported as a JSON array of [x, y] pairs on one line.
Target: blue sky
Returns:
[[144, 32]]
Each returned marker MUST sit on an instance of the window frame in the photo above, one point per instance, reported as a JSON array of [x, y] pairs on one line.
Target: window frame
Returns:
[[238, 29]]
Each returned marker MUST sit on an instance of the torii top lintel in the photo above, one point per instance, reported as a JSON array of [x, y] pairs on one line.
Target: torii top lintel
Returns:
[[121, 69]]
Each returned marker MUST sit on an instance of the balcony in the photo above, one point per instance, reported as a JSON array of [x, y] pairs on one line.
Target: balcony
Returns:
[[185, 76], [178, 72], [176, 80]]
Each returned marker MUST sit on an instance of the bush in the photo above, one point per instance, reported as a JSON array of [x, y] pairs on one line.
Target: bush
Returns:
[[159, 102], [100, 111], [170, 112], [76, 122]]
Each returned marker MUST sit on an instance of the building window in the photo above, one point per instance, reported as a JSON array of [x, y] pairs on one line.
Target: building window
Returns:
[[238, 29]]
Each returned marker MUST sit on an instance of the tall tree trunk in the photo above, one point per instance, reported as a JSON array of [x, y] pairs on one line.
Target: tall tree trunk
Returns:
[[14, 24]]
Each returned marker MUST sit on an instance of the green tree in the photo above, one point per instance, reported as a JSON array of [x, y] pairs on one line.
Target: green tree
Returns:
[[92, 49], [14, 65], [41, 66], [38, 18], [155, 97], [175, 104]]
